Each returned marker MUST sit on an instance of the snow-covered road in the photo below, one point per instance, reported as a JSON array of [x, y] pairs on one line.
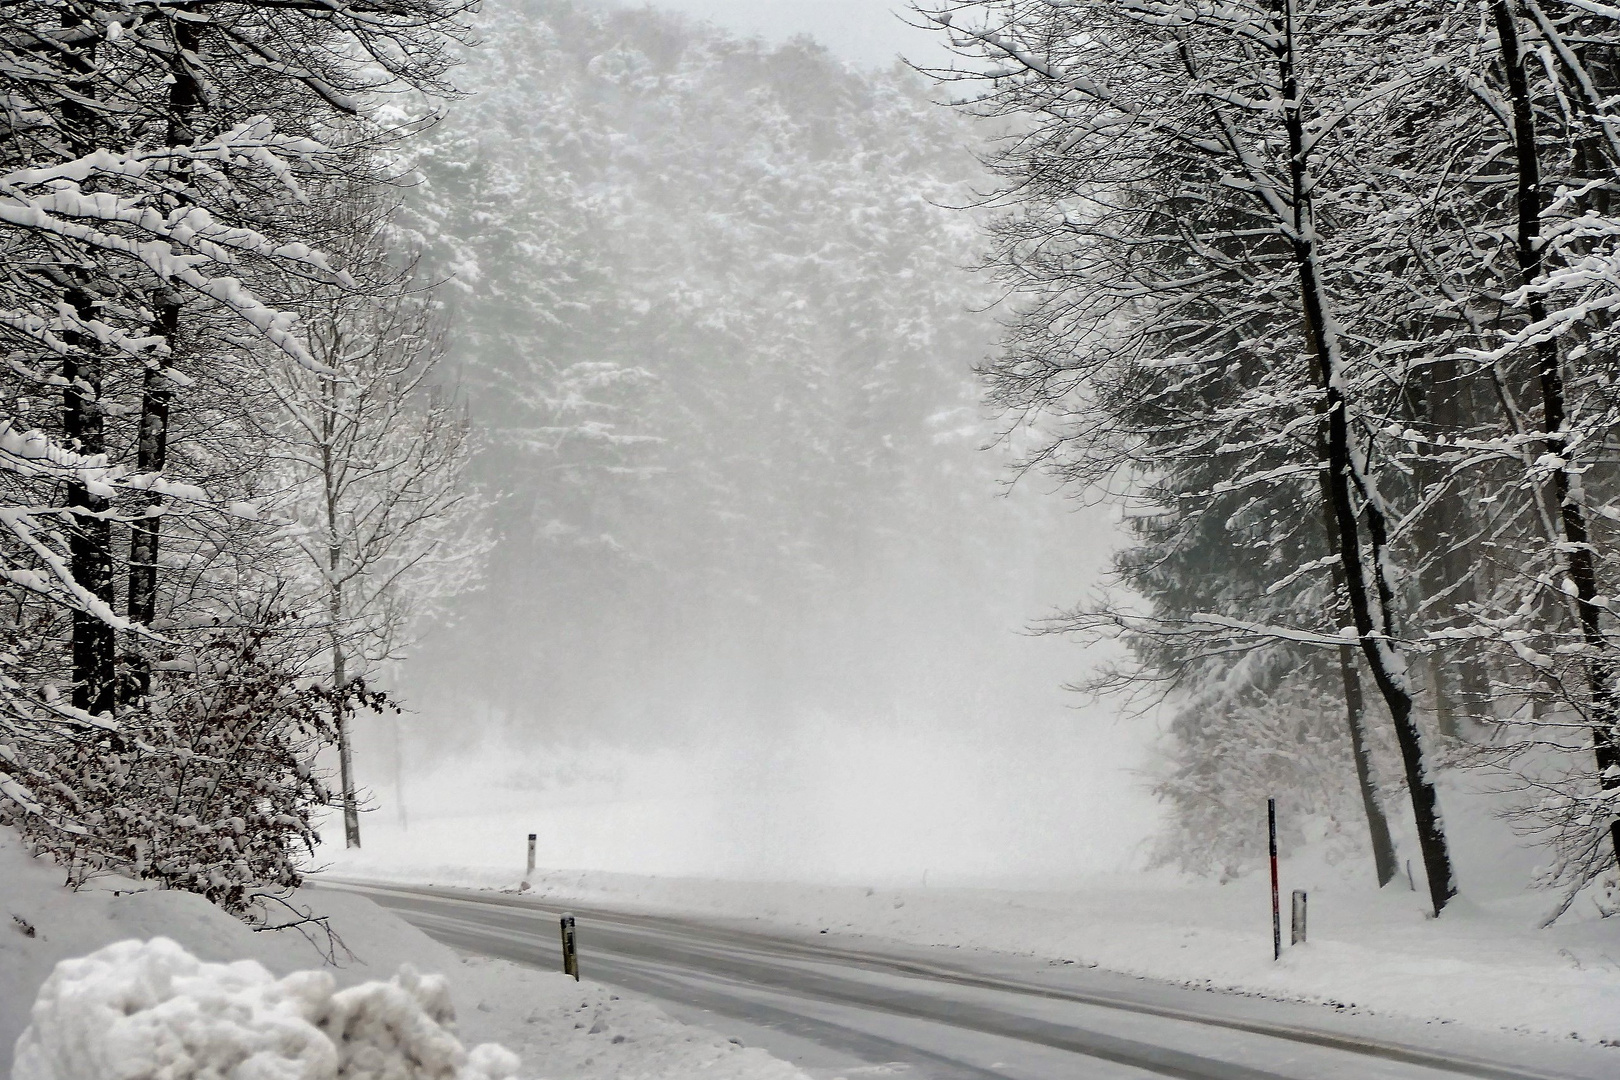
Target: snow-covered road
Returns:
[[839, 1008]]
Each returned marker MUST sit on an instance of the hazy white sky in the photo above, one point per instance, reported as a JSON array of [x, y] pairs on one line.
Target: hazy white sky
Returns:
[[865, 31]]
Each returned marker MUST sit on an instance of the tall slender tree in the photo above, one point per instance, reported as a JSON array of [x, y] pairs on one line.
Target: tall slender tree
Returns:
[[375, 450]]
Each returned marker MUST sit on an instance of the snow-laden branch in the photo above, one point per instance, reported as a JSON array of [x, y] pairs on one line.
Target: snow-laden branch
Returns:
[[186, 247]]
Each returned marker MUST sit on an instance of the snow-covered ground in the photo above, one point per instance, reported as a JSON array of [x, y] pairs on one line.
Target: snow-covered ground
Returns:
[[1484, 963], [560, 1029], [878, 827]]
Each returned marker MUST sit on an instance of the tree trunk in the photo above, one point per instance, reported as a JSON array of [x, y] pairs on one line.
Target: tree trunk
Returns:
[[151, 453], [1581, 563], [345, 760], [1378, 639], [334, 600], [84, 430], [1383, 846], [157, 389], [90, 538], [351, 808]]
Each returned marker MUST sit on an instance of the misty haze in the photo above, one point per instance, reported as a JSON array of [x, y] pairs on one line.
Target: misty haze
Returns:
[[789, 539]]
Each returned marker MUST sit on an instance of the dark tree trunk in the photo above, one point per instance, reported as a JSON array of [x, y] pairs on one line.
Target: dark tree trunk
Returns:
[[90, 538], [1383, 845], [151, 453], [1582, 564], [157, 389], [1355, 715], [1378, 639], [84, 431]]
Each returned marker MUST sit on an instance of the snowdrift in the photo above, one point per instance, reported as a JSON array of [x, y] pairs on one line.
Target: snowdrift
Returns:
[[136, 1010]]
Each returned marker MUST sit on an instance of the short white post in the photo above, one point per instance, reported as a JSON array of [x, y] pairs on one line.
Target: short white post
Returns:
[[530, 872], [1297, 936]]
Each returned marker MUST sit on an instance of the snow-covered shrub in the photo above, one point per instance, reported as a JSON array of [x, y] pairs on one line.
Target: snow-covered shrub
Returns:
[[210, 786], [1558, 801], [151, 1011]]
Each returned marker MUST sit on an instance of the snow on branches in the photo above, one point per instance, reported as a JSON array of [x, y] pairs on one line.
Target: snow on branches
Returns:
[[1325, 291], [171, 180]]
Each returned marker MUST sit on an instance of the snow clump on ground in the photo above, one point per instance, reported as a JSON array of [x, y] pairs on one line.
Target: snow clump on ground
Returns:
[[144, 1010]]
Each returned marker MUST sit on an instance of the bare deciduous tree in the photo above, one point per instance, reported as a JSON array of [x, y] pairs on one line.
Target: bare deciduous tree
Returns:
[[376, 449]]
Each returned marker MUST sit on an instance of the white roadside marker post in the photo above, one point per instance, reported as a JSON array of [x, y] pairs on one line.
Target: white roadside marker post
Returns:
[[1297, 936], [529, 873], [570, 956]]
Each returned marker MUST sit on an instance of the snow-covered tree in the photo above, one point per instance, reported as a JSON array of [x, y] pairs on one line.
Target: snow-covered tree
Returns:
[[1286, 262], [375, 451], [1545, 157], [156, 170], [1190, 240]]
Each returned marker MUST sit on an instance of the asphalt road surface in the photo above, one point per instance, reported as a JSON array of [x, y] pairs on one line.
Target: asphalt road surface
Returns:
[[840, 1007]]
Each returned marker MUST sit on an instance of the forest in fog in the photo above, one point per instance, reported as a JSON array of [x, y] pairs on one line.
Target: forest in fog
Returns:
[[416, 378], [711, 304]]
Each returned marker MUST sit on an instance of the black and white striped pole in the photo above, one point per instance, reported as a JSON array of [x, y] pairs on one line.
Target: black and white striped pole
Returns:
[[570, 956]]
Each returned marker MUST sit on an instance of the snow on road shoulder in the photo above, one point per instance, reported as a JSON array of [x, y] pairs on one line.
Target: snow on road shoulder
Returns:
[[1484, 964], [562, 1030], [586, 1029]]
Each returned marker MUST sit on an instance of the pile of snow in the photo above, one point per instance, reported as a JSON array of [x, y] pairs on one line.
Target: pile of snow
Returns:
[[560, 1029], [151, 1009]]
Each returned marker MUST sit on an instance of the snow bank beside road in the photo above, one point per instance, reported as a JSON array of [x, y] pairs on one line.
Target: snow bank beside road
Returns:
[[144, 1009], [561, 1030], [1484, 963]]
